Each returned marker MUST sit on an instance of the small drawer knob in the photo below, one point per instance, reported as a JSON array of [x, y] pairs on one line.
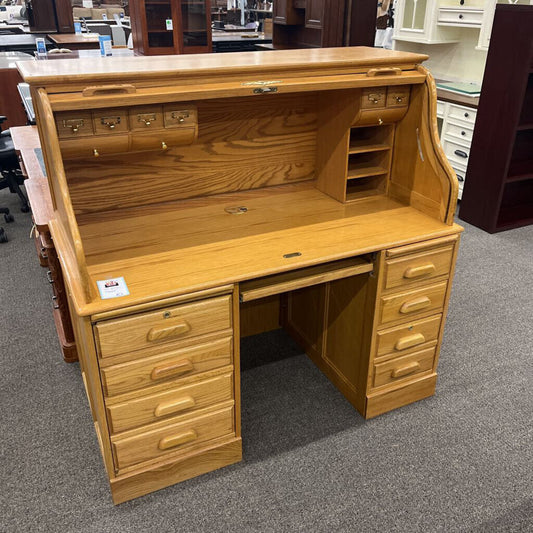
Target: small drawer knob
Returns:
[[380, 121], [164, 145], [96, 153]]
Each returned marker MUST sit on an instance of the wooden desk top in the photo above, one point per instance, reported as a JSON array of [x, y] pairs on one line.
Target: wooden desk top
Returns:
[[26, 140], [177, 248], [134, 69], [73, 38]]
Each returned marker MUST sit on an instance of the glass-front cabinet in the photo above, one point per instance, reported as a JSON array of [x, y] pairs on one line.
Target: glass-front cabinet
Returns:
[[162, 27]]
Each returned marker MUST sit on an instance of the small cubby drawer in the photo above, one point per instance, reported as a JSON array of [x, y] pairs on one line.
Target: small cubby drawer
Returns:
[[404, 368], [187, 435], [173, 365], [110, 121], [170, 403], [74, 124], [374, 97], [164, 327], [407, 337], [162, 139], [95, 146], [146, 118], [180, 116], [460, 17], [398, 96], [418, 267], [408, 304]]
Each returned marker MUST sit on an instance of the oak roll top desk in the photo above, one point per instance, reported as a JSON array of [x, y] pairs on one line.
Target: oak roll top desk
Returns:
[[308, 183]]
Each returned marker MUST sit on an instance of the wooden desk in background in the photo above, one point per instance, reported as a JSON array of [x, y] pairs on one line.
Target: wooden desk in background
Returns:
[[75, 41], [26, 142], [308, 183]]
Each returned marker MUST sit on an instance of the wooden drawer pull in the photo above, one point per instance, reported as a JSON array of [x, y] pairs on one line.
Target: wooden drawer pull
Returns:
[[422, 270], [172, 369], [175, 440], [112, 89], [384, 70], [409, 341], [175, 406], [159, 334], [406, 370], [415, 305]]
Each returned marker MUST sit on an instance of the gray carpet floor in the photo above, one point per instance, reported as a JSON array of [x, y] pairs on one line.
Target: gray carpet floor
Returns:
[[459, 461]]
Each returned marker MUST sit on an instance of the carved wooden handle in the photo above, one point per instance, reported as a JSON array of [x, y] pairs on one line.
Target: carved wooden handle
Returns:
[[172, 369], [158, 334], [415, 305], [168, 408], [405, 370], [175, 440], [409, 341], [384, 70], [99, 89], [417, 271]]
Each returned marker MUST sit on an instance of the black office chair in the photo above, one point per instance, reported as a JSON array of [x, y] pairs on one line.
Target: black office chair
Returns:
[[11, 175]]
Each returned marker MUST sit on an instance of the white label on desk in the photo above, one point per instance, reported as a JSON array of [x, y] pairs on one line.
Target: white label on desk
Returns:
[[112, 288], [170, 27]]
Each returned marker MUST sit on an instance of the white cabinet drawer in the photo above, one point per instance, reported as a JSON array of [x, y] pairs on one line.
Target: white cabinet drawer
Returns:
[[458, 133], [456, 153], [460, 17], [462, 114]]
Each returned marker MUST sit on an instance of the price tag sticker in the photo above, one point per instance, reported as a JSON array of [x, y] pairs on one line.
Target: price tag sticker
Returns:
[[112, 288], [170, 27]]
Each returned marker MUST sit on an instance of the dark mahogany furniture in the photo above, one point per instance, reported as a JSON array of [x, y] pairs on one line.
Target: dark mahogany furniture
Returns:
[[498, 191]]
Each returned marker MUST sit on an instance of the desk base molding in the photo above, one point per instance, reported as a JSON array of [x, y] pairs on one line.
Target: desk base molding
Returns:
[[164, 474], [377, 404]]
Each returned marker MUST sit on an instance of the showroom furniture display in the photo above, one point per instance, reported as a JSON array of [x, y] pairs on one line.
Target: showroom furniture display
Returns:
[[162, 27], [188, 192], [498, 194]]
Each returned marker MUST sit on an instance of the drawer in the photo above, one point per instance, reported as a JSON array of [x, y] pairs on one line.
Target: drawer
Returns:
[[460, 134], [408, 336], [404, 368], [163, 327], [461, 175], [182, 436], [373, 98], [94, 146], [456, 152], [74, 124], [162, 139], [460, 17], [441, 108], [146, 118], [180, 116], [172, 365], [110, 121], [462, 113], [404, 305], [398, 96], [177, 401], [418, 267]]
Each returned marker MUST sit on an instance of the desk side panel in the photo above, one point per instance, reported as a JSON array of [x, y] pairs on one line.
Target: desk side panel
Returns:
[[421, 174]]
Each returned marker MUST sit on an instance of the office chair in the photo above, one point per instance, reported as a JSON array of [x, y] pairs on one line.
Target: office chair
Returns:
[[11, 175]]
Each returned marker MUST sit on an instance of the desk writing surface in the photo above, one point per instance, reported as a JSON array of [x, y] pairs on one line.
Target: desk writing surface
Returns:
[[200, 247]]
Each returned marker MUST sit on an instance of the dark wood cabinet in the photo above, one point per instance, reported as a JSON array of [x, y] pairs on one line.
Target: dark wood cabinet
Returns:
[[323, 23], [498, 191], [162, 27], [50, 16]]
